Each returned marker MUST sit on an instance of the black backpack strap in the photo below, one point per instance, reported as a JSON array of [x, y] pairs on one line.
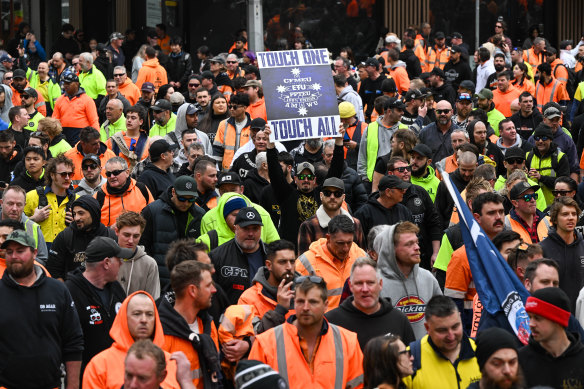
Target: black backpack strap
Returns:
[[144, 190], [213, 239], [416, 352], [43, 201], [100, 197]]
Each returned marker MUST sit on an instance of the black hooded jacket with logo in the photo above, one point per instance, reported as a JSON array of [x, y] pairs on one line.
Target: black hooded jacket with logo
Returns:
[[68, 249]]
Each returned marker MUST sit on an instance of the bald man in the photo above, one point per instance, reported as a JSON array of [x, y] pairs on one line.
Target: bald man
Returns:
[[115, 119], [436, 135]]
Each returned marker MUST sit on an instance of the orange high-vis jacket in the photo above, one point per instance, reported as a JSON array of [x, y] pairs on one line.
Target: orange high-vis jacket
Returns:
[[337, 362], [227, 140], [39, 105], [559, 71], [237, 323], [114, 205], [555, 92], [258, 301], [76, 155], [151, 71], [258, 109], [402, 81], [526, 86], [130, 91], [76, 112], [503, 100], [320, 262], [106, 369], [533, 59], [437, 58]]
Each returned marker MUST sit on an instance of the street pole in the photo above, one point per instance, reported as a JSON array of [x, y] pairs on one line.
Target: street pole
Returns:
[[255, 25], [477, 21]]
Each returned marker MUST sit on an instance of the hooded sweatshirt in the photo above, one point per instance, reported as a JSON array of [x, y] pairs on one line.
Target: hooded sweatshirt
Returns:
[[140, 273], [106, 369], [570, 259], [156, 179], [519, 142], [152, 71], [385, 320], [409, 294], [181, 125], [67, 252], [372, 214], [214, 220]]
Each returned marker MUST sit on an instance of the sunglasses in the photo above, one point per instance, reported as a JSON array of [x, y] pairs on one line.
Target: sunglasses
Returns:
[[65, 174], [528, 197], [405, 352], [513, 161], [91, 166], [303, 177], [543, 138], [76, 63], [185, 199], [8, 78], [36, 133], [403, 169], [118, 75], [231, 106], [557, 193], [315, 279], [114, 173], [337, 193], [231, 61], [194, 85], [520, 248], [498, 26], [442, 111]]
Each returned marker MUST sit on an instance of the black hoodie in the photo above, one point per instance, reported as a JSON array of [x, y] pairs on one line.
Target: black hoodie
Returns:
[[253, 186], [570, 259], [489, 149], [7, 166], [156, 179], [372, 214], [541, 368], [385, 320], [96, 318], [68, 249]]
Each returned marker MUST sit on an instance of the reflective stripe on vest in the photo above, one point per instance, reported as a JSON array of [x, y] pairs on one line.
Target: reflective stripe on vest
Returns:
[[196, 374], [540, 103], [307, 265], [339, 358]]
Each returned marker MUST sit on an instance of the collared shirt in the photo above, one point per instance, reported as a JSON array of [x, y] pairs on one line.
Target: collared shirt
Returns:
[[532, 231]]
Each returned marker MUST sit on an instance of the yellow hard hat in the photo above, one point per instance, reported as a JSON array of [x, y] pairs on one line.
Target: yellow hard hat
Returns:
[[346, 110]]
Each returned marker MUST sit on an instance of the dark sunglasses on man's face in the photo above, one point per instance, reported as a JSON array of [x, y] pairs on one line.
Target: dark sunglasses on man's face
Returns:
[[442, 111], [194, 85], [513, 161], [64, 174], [91, 166], [402, 169], [543, 138], [528, 197], [114, 173], [118, 75], [303, 177], [185, 199], [337, 193]]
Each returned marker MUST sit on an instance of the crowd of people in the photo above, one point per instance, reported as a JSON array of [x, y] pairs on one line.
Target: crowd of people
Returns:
[[153, 235]]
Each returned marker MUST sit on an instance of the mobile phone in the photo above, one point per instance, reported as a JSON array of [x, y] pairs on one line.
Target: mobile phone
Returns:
[[346, 137]]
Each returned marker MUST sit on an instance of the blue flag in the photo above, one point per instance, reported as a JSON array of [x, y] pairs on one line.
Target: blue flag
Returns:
[[498, 287]]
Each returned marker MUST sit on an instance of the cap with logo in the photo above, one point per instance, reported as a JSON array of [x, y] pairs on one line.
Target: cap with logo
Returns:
[[304, 166], [248, 216], [102, 247], [185, 186], [456, 49], [456, 35], [91, 158], [520, 188], [347, 110], [334, 182], [423, 150], [464, 97], [116, 35], [394, 102], [413, 94], [392, 182], [6, 58], [485, 93], [229, 178], [148, 87], [551, 303], [20, 237], [70, 77], [371, 62], [193, 108], [162, 105], [30, 92]]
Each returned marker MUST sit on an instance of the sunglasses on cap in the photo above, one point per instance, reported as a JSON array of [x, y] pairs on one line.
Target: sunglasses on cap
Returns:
[[528, 197], [337, 193], [403, 169], [114, 173], [315, 279], [520, 248], [303, 177], [557, 193], [543, 138], [513, 161]]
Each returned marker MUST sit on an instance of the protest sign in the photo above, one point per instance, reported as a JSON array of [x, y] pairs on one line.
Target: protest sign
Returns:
[[301, 102]]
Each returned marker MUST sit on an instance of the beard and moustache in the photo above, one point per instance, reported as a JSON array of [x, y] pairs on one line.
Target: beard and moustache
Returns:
[[517, 382], [499, 68], [314, 143], [420, 172]]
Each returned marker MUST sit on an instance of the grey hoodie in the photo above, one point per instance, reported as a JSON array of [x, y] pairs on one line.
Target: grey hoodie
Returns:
[[181, 125], [411, 294], [83, 187], [7, 103], [384, 135], [140, 273]]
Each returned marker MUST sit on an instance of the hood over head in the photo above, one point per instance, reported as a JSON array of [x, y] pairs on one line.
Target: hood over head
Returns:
[[92, 206]]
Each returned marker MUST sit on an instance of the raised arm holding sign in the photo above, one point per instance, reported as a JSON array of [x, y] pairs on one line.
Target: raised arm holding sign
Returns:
[[301, 102]]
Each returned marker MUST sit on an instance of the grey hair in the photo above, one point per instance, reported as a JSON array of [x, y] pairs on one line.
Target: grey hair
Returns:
[[120, 68], [261, 158], [119, 160], [87, 57], [196, 146], [374, 233], [461, 130], [365, 261], [329, 144]]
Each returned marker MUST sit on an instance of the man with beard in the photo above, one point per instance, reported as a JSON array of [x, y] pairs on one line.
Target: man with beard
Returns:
[[29, 98], [463, 108], [498, 360], [238, 260], [415, 111], [29, 295], [423, 173], [19, 84], [500, 66], [457, 68], [458, 138], [485, 102], [193, 287], [553, 356], [527, 119], [68, 249], [437, 135], [271, 295]]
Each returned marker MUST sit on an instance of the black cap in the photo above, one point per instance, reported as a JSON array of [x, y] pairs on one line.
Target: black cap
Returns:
[[70, 77], [439, 35], [457, 35], [388, 85], [543, 130], [102, 247], [413, 94], [550, 51], [162, 105], [207, 74], [514, 152], [157, 148], [30, 92], [92, 158], [490, 341], [248, 216], [101, 48], [193, 108], [438, 72], [334, 182], [468, 84], [229, 178], [391, 182], [258, 123], [372, 62], [394, 102], [423, 150], [520, 188], [456, 49], [18, 73]]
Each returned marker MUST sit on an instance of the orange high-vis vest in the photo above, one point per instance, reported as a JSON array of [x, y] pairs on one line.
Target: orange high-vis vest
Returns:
[[237, 323], [542, 228], [437, 58], [533, 59], [555, 92]]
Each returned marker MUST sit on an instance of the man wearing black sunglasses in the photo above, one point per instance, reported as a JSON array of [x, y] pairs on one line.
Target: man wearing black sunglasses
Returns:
[[173, 216], [525, 218], [546, 161]]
